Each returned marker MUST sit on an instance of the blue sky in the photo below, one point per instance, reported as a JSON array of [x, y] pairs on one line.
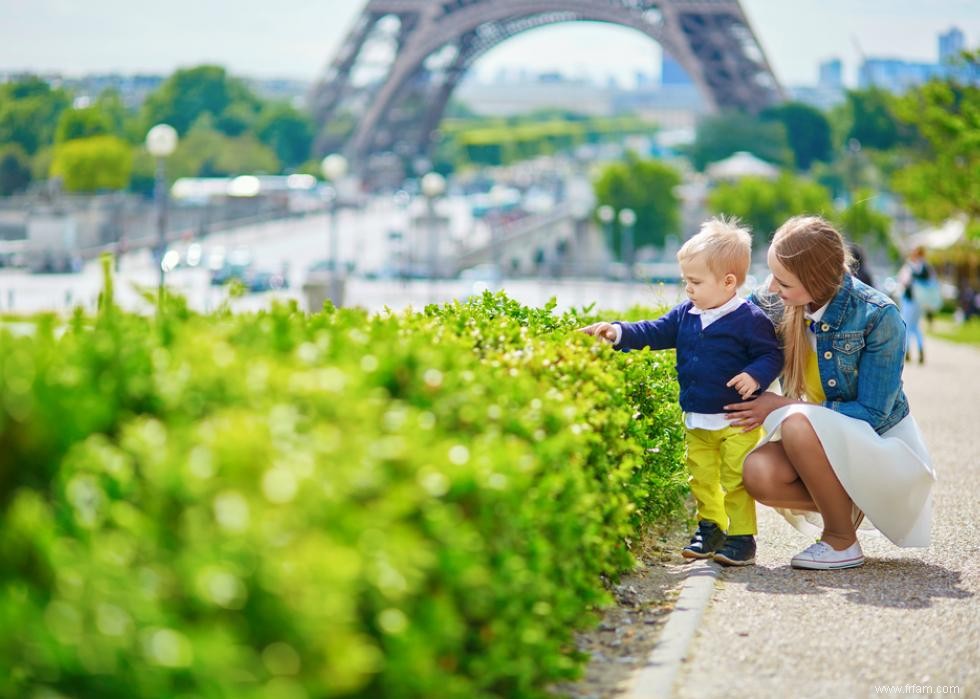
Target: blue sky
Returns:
[[296, 39]]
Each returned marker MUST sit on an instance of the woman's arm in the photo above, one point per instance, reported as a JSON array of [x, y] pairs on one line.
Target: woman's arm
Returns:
[[763, 347], [879, 371], [751, 414]]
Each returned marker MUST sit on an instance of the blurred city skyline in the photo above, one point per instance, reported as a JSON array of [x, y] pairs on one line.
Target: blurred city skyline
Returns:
[[116, 36]]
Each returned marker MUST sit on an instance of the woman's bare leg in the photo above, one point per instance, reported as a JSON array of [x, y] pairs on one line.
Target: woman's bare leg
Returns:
[[770, 478], [809, 460]]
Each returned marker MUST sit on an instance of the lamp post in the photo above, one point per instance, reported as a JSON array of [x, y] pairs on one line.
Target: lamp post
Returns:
[[607, 215], [580, 216], [627, 219], [499, 198], [334, 168], [433, 186], [161, 142]]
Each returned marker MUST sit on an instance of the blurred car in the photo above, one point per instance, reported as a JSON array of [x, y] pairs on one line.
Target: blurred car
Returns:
[[258, 281], [235, 266], [192, 258]]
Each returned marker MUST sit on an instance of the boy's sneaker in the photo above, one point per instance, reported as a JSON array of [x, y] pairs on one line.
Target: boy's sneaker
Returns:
[[739, 550], [706, 540], [823, 556]]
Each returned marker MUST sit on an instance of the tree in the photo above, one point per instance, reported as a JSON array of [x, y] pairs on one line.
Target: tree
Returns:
[[93, 164], [287, 131], [236, 119], [868, 117], [861, 223], [192, 92], [29, 111], [765, 204], [15, 169], [941, 179], [720, 136], [123, 122], [82, 123], [206, 152], [647, 187], [807, 131]]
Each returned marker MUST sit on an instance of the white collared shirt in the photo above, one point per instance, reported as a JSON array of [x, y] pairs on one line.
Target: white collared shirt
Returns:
[[711, 421], [710, 315], [816, 316], [703, 421]]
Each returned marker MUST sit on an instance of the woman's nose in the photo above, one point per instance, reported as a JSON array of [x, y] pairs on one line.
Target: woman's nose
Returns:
[[771, 286]]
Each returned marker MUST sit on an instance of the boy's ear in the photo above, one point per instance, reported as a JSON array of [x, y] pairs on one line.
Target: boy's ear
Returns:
[[730, 279]]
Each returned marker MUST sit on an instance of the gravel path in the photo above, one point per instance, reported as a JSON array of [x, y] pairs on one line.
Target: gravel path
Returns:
[[909, 618]]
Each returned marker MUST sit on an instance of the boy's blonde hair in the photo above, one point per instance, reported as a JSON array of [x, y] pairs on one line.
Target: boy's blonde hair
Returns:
[[726, 246]]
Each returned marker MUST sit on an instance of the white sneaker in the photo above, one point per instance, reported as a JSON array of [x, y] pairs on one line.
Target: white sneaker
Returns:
[[823, 556]]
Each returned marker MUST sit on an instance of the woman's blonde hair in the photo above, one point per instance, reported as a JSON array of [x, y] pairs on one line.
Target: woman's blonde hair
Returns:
[[813, 251]]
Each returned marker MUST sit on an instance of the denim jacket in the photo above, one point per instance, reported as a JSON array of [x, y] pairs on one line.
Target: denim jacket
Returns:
[[860, 351]]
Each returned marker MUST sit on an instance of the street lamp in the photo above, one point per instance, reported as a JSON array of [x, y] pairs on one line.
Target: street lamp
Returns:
[[334, 167], [607, 215], [433, 186], [161, 142], [580, 216], [627, 219]]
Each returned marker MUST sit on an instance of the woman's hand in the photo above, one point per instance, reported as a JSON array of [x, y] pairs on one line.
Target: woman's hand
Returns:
[[753, 413], [605, 331]]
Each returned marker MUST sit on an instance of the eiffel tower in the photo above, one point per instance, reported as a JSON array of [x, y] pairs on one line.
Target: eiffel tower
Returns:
[[381, 100]]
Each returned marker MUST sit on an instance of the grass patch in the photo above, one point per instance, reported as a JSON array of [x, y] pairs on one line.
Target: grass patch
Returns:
[[946, 328]]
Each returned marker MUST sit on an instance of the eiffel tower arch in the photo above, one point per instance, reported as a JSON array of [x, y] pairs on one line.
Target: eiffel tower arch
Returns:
[[381, 100]]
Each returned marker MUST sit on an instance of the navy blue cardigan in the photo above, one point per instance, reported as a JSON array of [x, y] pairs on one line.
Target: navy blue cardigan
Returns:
[[743, 340]]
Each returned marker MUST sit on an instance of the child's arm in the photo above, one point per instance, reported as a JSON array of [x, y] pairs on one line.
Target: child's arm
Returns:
[[767, 358], [656, 334]]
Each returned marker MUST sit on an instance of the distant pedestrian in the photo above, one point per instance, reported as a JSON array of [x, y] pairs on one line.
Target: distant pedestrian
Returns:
[[968, 306], [920, 295]]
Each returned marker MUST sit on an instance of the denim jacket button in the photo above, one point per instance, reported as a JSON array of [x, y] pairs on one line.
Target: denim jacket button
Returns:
[[825, 327], [832, 382], [828, 354]]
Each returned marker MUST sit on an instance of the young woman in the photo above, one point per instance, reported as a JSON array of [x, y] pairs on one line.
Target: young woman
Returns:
[[840, 444], [914, 275]]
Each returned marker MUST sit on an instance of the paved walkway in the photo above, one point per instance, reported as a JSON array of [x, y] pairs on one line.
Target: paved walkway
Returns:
[[908, 618]]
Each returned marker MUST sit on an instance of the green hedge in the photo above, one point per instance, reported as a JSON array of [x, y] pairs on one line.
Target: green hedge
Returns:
[[337, 504]]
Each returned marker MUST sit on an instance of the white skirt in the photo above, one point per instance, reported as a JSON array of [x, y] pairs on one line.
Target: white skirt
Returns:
[[888, 476]]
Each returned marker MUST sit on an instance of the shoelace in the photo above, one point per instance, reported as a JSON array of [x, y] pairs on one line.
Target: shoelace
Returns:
[[819, 549]]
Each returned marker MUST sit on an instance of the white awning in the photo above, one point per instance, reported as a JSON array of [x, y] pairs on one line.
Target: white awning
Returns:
[[741, 164], [940, 237]]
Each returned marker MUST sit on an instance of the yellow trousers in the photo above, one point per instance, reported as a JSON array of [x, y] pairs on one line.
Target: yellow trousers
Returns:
[[714, 462]]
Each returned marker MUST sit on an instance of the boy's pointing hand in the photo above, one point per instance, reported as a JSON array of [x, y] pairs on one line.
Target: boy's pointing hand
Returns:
[[604, 331]]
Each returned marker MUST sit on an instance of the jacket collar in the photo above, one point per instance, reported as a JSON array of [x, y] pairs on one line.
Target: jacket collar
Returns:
[[834, 314]]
